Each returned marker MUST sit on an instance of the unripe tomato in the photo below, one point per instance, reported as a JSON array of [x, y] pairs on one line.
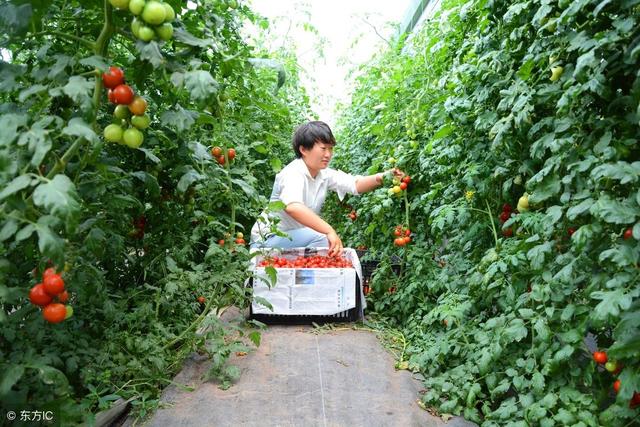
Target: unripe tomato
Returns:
[[54, 312], [146, 34], [136, 24], [556, 72], [216, 151], [396, 189], [53, 284], [154, 13], [123, 94], [611, 366], [38, 296], [132, 138], [113, 77], [170, 14], [138, 106], [239, 235], [120, 4], [231, 153], [628, 233], [141, 122], [523, 203], [113, 133], [600, 357], [136, 6], [121, 112], [165, 31], [69, 312], [390, 192]]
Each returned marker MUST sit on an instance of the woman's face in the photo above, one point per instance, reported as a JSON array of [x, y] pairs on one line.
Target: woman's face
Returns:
[[318, 157]]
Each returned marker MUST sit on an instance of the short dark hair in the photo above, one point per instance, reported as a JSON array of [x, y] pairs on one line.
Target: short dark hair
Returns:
[[309, 133]]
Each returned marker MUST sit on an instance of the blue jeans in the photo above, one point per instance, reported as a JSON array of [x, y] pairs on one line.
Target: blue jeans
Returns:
[[299, 238]]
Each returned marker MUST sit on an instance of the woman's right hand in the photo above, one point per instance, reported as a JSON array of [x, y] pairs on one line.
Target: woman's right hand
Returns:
[[335, 244]]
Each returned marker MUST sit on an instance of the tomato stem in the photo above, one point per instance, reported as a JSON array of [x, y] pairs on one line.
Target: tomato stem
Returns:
[[493, 226]]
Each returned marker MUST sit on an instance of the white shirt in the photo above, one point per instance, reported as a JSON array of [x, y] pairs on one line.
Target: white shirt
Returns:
[[294, 183]]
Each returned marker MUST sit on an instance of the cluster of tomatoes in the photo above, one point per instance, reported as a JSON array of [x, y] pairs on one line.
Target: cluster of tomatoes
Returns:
[[152, 18], [138, 225], [239, 240], [614, 367], [399, 185], [129, 115], [316, 261], [402, 235], [507, 210], [43, 295], [219, 155]]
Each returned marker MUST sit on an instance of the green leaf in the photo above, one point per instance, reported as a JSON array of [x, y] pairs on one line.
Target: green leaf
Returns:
[[549, 187], [10, 377], [31, 90], [8, 229], [78, 127], [179, 118], [25, 232], [537, 382], [58, 197], [255, 336], [621, 255], [186, 37], [200, 84], [620, 171], [516, 331], [95, 61], [9, 125], [614, 211], [542, 330], [49, 243], [189, 178], [248, 189], [554, 213], [80, 89], [150, 52], [537, 254], [613, 302], [579, 209], [19, 183]]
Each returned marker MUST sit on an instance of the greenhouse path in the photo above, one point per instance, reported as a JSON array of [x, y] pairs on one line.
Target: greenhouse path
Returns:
[[298, 377]]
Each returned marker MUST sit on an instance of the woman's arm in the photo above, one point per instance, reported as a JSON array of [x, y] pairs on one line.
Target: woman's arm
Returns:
[[309, 218], [368, 183]]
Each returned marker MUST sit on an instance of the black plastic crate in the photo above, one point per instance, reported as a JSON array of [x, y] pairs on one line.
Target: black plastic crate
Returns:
[[350, 315]]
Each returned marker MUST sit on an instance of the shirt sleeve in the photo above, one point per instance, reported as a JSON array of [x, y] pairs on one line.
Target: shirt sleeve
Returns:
[[291, 188], [342, 183]]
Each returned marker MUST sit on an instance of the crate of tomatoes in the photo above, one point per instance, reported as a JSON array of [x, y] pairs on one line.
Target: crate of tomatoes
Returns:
[[305, 285]]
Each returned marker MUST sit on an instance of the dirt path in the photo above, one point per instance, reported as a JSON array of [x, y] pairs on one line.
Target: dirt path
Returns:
[[298, 377]]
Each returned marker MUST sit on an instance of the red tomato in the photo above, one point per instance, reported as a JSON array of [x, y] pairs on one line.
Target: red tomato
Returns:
[[406, 179], [570, 231], [221, 159], [113, 77], [63, 296], [405, 240], [53, 284], [54, 312], [403, 185], [600, 357], [616, 386], [506, 207], [123, 94], [397, 232], [504, 216], [231, 153], [48, 272], [38, 296], [635, 400], [216, 151], [407, 232], [507, 233], [201, 299], [628, 233], [111, 97]]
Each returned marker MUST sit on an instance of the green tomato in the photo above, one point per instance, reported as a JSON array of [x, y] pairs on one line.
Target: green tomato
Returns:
[[233, 4], [390, 192], [132, 138], [611, 366], [120, 4], [136, 6], [113, 133], [170, 13], [556, 72], [165, 31], [121, 112], [523, 203], [146, 34], [154, 13], [136, 24], [141, 122], [69, 312]]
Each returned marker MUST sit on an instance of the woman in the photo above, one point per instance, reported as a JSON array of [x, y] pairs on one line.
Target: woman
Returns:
[[302, 186]]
